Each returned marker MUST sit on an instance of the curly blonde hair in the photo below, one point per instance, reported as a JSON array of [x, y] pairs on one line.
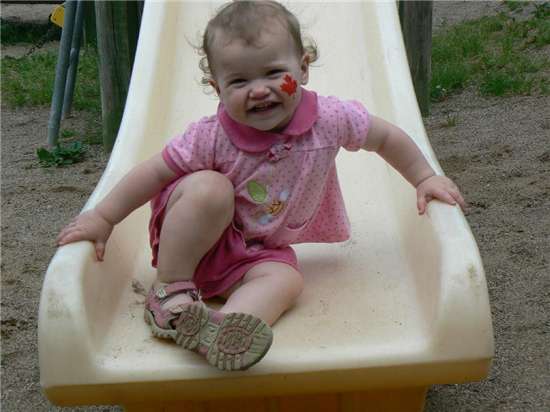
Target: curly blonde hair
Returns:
[[245, 19]]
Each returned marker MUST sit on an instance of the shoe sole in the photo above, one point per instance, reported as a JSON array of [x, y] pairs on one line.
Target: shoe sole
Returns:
[[234, 341], [230, 342]]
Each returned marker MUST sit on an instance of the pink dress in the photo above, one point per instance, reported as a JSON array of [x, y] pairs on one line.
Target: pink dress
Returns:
[[286, 185]]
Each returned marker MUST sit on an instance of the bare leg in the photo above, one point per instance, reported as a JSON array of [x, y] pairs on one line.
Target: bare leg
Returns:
[[266, 291], [198, 211]]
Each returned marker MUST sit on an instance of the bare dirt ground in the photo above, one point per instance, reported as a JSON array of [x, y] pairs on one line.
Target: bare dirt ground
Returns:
[[498, 152]]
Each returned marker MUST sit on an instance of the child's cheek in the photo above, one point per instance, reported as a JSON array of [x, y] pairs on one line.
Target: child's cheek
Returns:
[[289, 85]]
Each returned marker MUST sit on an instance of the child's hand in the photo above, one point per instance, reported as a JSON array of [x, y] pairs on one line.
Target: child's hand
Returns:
[[438, 187], [89, 225]]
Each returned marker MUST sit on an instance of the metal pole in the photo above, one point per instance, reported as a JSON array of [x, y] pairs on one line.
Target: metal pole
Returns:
[[73, 60], [61, 73]]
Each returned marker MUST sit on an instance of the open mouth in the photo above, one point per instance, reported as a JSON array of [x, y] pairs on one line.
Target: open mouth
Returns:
[[264, 107]]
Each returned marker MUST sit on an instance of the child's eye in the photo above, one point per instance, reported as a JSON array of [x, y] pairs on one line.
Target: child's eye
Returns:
[[275, 72], [237, 82]]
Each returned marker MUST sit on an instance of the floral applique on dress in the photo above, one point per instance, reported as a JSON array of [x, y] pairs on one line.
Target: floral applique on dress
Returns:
[[270, 208], [278, 152]]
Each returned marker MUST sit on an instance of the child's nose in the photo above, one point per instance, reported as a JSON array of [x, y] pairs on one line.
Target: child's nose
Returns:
[[259, 91]]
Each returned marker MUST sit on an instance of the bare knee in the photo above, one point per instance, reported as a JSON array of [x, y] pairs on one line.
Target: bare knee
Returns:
[[294, 283], [208, 190], [287, 280]]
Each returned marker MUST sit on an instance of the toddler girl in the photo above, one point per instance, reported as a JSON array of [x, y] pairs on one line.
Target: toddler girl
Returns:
[[237, 188]]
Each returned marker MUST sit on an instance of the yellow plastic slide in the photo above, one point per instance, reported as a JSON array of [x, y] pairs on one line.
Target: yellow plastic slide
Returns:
[[400, 306]]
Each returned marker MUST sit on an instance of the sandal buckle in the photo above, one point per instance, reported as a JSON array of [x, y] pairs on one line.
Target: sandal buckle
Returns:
[[161, 293]]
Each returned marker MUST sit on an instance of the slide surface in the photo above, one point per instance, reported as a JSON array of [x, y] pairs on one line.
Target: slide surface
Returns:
[[402, 303]]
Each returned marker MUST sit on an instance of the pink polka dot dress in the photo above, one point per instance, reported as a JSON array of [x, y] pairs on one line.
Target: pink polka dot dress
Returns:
[[286, 185]]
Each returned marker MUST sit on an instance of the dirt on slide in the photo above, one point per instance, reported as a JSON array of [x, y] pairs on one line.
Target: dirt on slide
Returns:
[[498, 152]]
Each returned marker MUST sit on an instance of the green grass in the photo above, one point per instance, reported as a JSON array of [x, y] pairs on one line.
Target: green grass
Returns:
[[28, 81], [497, 55], [13, 33]]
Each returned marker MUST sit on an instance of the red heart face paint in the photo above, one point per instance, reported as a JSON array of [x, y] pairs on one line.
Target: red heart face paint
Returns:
[[289, 86]]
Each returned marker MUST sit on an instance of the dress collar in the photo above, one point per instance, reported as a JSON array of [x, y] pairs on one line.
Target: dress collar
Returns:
[[249, 139]]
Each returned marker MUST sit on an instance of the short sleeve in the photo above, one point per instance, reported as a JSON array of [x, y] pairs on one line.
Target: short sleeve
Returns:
[[192, 150], [353, 124]]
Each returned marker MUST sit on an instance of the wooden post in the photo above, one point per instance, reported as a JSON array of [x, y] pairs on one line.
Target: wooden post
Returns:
[[134, 20], [90, 35], [416, 25], [114, 65]]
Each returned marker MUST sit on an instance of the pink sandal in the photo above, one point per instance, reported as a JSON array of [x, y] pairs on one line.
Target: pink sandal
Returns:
[[163, 321], [229, 341]]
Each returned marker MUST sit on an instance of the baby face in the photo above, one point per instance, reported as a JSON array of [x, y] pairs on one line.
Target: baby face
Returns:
[[258, 84]]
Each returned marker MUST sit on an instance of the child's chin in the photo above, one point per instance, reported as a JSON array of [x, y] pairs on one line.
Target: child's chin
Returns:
[[265, 127]]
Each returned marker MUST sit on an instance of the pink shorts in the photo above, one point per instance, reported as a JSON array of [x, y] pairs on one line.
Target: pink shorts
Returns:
[[227, 261]]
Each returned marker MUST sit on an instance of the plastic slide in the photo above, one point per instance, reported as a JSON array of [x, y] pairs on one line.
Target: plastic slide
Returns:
[[400, 306]]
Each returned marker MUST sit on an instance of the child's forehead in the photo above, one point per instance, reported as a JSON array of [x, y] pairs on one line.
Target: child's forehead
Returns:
[[240, 55], [253, 35]]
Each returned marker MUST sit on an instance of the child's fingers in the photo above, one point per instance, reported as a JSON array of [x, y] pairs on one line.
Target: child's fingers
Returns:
[[67, 229], [69, 236], [63, 234], [454, 192], [460, 200], [440, 188], [76, 237], [445, 196], [100, 250], [421, 203]]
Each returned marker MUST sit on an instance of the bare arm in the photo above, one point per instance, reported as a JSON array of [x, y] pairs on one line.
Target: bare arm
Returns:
[[399, 150], [137, 187]]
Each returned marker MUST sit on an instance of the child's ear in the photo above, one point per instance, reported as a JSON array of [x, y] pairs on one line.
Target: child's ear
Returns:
[[304, 66], [215, 86]]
